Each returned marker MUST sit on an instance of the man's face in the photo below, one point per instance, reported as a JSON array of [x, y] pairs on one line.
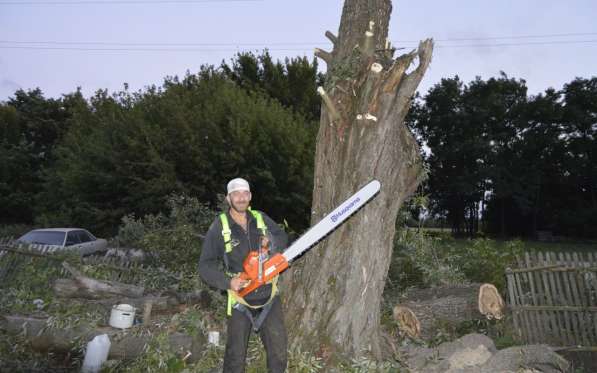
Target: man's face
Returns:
[[239, 200]]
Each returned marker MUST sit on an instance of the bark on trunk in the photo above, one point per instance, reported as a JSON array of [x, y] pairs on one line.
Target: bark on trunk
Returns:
[[335, 290]]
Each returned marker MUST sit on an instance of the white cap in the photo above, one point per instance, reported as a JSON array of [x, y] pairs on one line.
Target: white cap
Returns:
[[238, 184]]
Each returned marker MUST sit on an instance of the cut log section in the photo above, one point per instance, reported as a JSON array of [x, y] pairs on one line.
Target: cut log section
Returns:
[[407, 321], [491, 303], [422, 310]]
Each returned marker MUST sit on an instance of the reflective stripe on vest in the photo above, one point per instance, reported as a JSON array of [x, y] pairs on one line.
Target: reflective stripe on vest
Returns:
[[233, 297]]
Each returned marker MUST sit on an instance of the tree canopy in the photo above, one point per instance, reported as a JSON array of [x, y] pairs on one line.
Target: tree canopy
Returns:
[[527, 163]]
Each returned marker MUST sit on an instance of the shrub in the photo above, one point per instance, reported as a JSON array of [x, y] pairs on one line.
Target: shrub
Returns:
[[424, 259], [420, 260], [14, 230], [173, 240], [485, 260]]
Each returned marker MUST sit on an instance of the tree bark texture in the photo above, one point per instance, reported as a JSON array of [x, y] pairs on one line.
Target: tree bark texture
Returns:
[[335, 290]]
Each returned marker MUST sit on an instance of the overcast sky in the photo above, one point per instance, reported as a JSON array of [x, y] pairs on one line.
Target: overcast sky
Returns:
[[61, 45]]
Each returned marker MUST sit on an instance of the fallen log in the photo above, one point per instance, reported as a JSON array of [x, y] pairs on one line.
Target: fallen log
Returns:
[[168, 301], [87, 287], [422, 311], [124, 345]]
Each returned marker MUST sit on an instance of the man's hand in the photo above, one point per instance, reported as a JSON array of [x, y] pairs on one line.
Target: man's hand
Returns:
[[236, 283]]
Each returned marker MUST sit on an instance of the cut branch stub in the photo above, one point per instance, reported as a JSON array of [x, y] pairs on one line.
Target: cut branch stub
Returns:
[[333, 38], [331, 108], [370, 90], [326, 56]]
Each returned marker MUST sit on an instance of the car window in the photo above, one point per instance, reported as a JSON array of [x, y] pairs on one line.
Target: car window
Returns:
[[93, 238], [83, 236], [44, 238], [72, 238]]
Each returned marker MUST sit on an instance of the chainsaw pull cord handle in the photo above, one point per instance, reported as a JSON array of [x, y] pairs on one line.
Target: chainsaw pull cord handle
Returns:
[[263, 251]]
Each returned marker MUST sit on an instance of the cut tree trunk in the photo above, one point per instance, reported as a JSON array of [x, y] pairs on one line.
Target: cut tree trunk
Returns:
[[335, 290]]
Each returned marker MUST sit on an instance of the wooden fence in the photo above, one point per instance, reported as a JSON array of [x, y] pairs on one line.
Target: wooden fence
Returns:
[[553, 298]]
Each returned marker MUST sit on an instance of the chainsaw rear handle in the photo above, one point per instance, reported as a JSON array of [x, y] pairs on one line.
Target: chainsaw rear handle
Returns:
[[271, 268]]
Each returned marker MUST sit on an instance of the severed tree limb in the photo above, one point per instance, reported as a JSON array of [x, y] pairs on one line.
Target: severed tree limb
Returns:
[[369, 90], [166, 302], [332, 111], [100, 289], [424, 51], [397, 70], [333, 38], [326, 56], [369, 41]]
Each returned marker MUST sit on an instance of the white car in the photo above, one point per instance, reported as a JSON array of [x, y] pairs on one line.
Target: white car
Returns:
[[75, 239]]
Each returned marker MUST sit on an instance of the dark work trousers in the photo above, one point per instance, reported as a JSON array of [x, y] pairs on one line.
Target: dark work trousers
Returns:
[[273, 337]]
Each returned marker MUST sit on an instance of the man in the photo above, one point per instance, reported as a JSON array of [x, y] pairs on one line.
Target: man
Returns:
[[228, 241]]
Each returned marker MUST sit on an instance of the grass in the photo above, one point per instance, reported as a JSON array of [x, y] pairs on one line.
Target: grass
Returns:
[[527, 245]]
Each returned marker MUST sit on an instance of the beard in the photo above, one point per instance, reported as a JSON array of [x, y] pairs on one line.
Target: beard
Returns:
[[239, 207]]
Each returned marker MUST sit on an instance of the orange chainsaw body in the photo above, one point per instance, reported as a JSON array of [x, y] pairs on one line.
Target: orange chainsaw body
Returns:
[[270, 269]]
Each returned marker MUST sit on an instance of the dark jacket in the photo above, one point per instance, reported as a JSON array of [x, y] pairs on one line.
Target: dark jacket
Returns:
[[212, 264]]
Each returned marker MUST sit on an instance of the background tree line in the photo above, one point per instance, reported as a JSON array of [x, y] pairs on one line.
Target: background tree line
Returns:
[[522, 163], [72, 161]]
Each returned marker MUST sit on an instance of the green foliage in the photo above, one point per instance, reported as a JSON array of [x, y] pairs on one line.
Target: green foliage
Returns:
[[485, 260], [14, 230], [528, 160], [125, 153], [420, 259], [158, 356], [28, 279], [365, 364], [31, 127], [292, 83], [426, 259], [172, 240]]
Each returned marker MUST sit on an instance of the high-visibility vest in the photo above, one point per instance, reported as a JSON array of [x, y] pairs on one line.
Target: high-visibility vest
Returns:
[[233, 296]]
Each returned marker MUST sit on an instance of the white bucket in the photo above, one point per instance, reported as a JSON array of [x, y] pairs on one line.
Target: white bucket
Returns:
[[122, 316]]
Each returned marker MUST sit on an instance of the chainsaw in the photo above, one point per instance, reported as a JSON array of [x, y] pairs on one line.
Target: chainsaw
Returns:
[[259, 269]]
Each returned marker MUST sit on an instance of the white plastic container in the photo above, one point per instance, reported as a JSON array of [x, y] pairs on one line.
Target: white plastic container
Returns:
[[213, 338], [122, 316], [96, 354]]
